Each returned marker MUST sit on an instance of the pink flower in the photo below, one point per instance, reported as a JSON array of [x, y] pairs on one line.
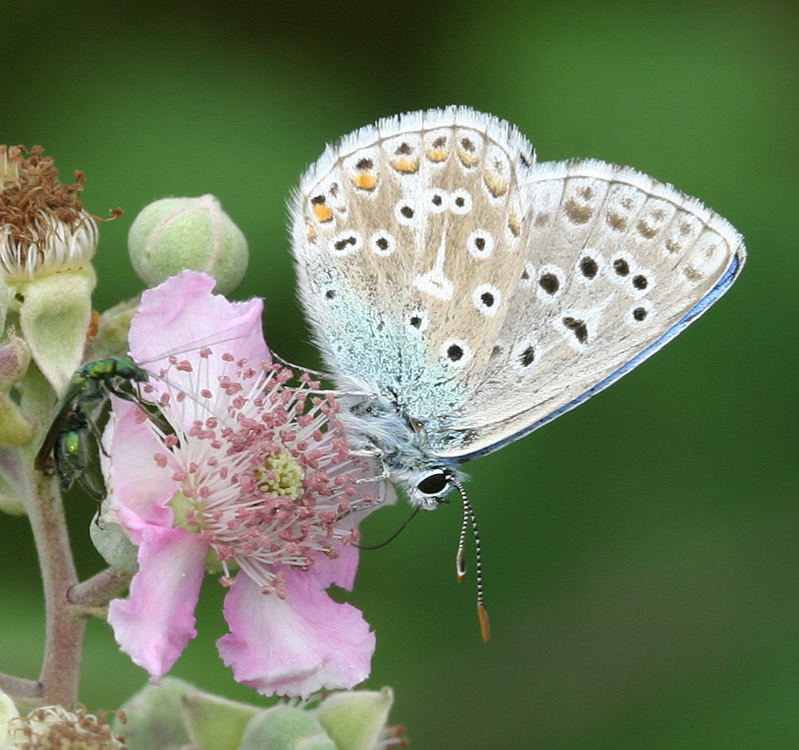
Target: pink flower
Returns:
[[254, 479]]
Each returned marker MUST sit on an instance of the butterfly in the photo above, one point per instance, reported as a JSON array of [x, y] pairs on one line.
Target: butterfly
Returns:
[[476, 294]]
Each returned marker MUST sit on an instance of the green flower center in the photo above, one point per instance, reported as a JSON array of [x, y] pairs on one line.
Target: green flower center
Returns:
[[181, 505], [282, 475]]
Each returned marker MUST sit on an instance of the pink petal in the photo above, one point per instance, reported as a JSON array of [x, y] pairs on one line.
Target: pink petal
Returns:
[[295, 646], [340, 571], [139, 488], [180, 318], [181, 315], [156, 621]]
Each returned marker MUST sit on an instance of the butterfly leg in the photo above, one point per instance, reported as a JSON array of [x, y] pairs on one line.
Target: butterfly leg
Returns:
[[300, 368], [371, 451], [384, 474], [366, 452]]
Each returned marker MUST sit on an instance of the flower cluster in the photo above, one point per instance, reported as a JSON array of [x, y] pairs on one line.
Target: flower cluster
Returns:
[[248, 476], [47, 241]]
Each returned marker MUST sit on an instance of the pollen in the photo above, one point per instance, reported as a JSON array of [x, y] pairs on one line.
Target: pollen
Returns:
[[282, 475]]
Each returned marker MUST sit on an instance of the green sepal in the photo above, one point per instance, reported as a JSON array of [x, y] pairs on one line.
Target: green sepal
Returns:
[[355, 719], [111, 339], [10, 502], [214, 722], [15, 428], [54, 315], [112, 541]]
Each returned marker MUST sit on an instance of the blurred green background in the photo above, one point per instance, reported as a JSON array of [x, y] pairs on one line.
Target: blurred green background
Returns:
[[641, 556]]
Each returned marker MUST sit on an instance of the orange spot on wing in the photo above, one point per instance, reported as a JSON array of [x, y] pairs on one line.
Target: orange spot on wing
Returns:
[[437, 154], [406, 166], [468, 158], [322, 212], [495, 184], [365, 181]]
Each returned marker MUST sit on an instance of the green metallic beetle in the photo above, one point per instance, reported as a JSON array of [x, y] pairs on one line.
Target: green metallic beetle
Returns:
[[66, 448]]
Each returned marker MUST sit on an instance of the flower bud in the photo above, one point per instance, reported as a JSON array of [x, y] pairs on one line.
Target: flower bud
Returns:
[[173, 234], [153, 716], [285, 727]]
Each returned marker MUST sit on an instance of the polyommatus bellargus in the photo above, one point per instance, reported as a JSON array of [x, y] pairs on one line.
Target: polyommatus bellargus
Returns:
[[478, 294]]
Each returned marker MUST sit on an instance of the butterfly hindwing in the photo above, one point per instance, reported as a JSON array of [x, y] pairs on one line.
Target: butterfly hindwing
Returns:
[[617, 264]]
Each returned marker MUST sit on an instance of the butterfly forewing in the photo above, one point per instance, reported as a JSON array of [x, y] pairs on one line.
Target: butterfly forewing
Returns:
[[617, 264], [409, 248]]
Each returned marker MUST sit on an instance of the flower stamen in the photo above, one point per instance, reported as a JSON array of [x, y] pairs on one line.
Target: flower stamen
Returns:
[[266, 475], [43, 225]]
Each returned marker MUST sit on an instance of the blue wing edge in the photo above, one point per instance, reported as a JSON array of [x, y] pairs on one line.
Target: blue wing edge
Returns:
[[700, 307]]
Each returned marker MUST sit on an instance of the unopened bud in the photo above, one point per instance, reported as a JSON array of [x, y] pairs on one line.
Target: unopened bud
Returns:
[[173, 234]]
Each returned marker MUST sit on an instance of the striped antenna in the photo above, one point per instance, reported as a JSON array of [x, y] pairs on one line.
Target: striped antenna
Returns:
[[469, 519]]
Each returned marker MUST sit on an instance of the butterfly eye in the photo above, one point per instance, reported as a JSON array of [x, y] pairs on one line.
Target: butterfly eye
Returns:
[[434, 483]]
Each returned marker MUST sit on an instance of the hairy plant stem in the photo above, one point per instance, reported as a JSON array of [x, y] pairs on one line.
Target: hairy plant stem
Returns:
[[68, 603], [63, 647], [98, 590]]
